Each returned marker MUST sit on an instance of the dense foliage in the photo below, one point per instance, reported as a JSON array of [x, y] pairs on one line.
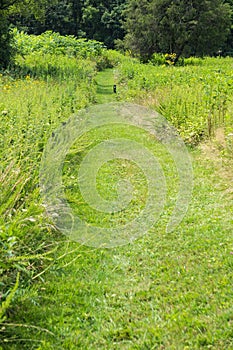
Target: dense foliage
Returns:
[[7, 8], [54, 43], [99, 20], [182, 27], [5, 40]]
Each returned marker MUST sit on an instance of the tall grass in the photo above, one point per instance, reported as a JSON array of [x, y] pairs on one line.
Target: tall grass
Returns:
[[53, 77], [197, 99], [42, 90]]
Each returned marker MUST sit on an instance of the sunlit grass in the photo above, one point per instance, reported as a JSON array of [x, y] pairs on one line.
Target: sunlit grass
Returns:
[[197, 99], [165, 291]]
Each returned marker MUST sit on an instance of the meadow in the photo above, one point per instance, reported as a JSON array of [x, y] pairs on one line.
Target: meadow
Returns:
[[195, 97], [165, 290]]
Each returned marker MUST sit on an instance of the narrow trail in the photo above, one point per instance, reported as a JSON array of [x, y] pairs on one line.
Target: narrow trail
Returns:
[[157, 293], [105, 82]]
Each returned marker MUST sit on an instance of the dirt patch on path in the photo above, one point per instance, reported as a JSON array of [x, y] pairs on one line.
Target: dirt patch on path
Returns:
[[216, 150]]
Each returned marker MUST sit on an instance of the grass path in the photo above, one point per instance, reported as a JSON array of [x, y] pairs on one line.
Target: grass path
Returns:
[[105, 82], [165, 291]]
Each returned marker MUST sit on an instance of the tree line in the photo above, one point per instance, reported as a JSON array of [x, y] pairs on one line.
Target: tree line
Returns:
[[182, 27]]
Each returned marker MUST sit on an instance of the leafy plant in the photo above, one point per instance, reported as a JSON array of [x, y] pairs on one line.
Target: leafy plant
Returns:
[[5, 305]]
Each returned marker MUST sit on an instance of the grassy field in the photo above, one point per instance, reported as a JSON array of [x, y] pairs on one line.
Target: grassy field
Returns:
[[164, 290], [196, 98]]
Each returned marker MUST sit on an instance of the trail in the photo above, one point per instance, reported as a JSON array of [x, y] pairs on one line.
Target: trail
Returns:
[[105, 81], [165, 291]]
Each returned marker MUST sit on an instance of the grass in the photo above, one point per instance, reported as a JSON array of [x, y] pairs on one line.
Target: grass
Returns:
[[31, 107], [164, 291], [196, 99], [105, 81]]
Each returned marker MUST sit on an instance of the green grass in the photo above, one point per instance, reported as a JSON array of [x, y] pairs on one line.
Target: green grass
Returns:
[[196, 99], [104, 82], [164, 291]]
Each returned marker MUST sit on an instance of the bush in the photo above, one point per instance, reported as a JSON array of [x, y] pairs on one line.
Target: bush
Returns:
[[158, 59], [54, 43]]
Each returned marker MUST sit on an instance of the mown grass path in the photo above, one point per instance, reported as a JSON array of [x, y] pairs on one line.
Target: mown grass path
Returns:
[[105, 81], [165, 291]]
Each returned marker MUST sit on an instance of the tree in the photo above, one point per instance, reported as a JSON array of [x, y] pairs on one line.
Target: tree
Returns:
[[5, 41], [59, 16], [6, 48], [228, 48], [96, 19], [102, 20], [10, 7], [183, 27]]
